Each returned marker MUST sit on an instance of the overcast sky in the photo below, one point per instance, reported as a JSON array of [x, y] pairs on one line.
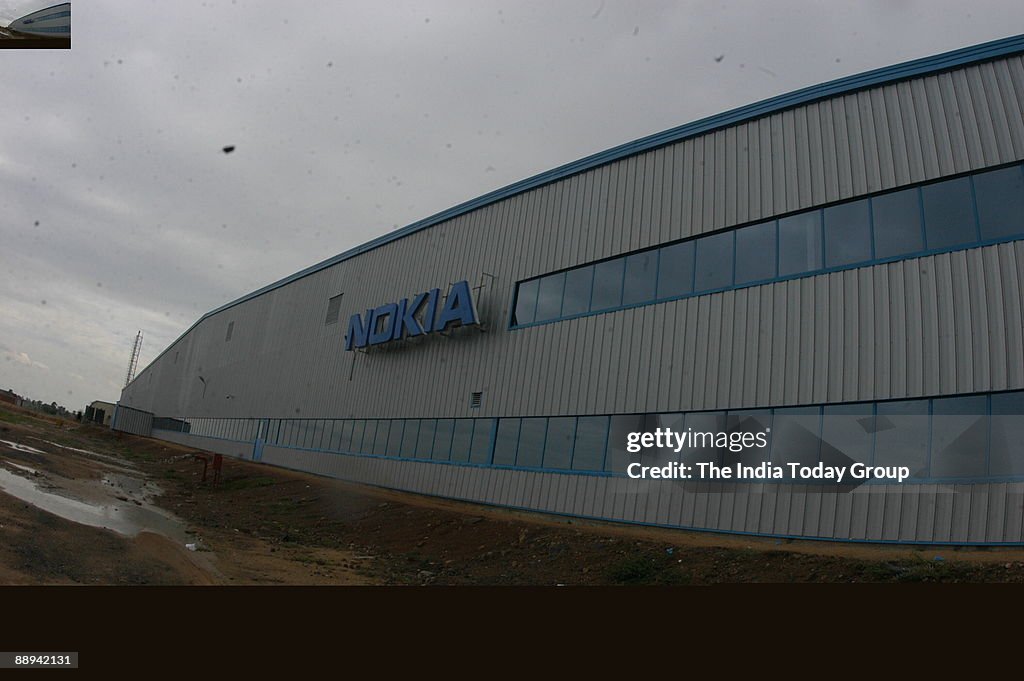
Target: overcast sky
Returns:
[[119, 212]]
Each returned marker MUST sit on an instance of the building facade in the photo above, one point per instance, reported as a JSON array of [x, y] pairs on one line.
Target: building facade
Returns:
[[840, 268]]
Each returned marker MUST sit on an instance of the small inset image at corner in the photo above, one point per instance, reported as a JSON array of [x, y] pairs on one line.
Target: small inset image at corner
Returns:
[[31, 24]]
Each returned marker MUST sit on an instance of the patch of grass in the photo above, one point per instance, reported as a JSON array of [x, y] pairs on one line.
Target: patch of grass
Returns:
[[645, 570]]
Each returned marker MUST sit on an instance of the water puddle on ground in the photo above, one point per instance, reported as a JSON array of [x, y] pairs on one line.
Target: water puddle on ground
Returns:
[[22, 448], [126, 517]]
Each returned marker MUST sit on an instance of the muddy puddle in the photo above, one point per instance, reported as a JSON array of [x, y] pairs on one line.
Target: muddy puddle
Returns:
[[115, 502]]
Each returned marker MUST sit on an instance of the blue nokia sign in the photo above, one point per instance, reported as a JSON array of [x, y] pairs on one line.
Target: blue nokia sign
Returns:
[[395, 321]]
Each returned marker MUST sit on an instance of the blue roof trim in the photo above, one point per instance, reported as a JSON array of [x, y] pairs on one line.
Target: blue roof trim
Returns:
[[841, 86]]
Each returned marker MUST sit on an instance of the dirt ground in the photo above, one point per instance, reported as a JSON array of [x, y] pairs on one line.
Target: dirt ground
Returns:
[[264, 525]]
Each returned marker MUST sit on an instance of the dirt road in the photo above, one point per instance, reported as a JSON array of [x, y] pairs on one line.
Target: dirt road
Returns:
[[128, 510]]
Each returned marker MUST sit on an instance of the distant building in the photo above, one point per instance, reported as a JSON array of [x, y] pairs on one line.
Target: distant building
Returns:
[[100, 412], [10, 397]]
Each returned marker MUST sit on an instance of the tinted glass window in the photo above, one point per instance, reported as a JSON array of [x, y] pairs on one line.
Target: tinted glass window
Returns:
[[704, 427], [897, 223], [1007, 457], [358, 427], [425, 441], [756, 422], [959, 437], [847, 234], [395, 437], [591, 437], [619, 457], [410, 437], [1000, 195], [577, 291], [531, 443], [526, 302], [800, 243], [675, 270], [443, 439], [549, 299], [640, 281], [714, 262], [755, 252], [462, 439], [608, 284], [846, 433], [482, 432], [380, 442], [948, 213], [506, 442], [558, 444], [901, 436], [796, 436]]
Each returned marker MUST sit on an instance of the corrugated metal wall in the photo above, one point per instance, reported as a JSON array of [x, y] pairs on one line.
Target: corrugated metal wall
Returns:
[[942, 324]]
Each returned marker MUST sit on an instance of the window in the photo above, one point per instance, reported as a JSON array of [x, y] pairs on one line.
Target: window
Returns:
[[409, 438], [462, 440], [483, 431], [847, 432], [526, 302], [506, 442], [443, 440], [959, 437], [549, 297], [380, 441], [948, 213], [795, 436], [621, 426], [607, 284], [755, 252], [395, 437], [897, 223], [714, 262], [333, 309], [558, 445], [847, 234], [800, 243], [591, 440], [530, 453], [1000, 196], [1007, 457], [578, 284], [640, 279], [425, 442], [675, 270], [901, 436]]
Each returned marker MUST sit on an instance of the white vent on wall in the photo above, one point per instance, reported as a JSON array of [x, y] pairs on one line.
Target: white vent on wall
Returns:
[[333, 309]]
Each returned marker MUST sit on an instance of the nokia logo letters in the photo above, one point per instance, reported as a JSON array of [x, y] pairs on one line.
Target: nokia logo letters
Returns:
[[394, 321]]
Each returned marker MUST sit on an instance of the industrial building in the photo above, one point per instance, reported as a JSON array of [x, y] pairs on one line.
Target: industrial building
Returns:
[[840, 268]]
